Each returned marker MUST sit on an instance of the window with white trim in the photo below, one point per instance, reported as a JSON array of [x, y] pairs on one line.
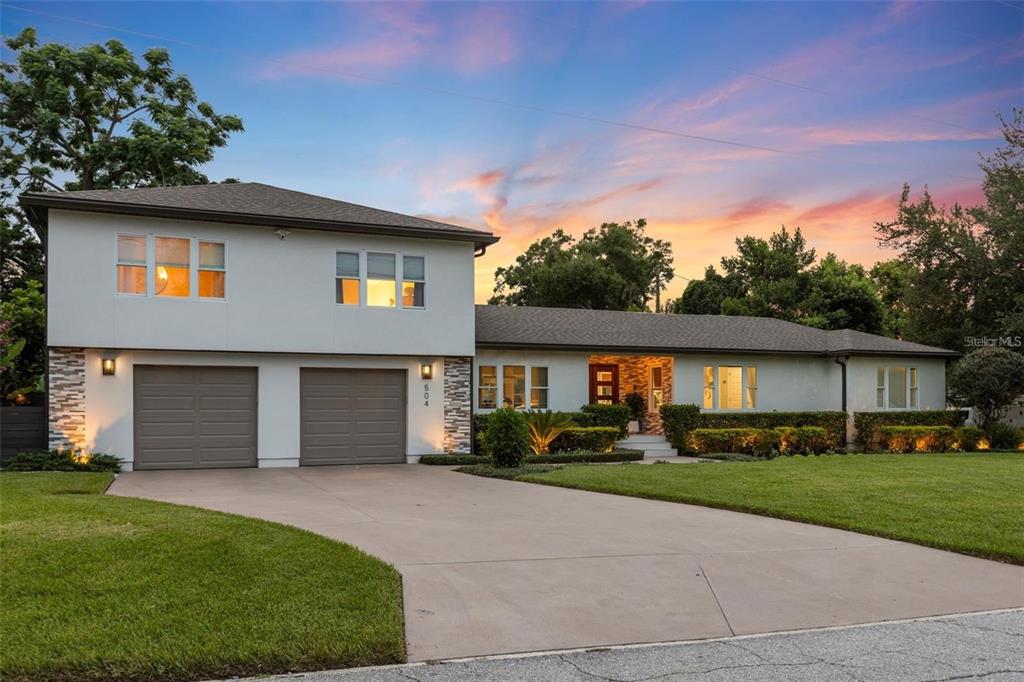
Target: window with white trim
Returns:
[[538, 388], [488, 387], [657, 388], [212, 271], [131, 264], [751, 388], [513, 388], [347, 278], [173, 272], [913, 386], [381, 284], [414, 281], [736, 387], [897, 388], [709, 387]]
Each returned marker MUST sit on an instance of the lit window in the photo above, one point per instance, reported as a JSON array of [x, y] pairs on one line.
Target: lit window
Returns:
[[172, 267], [709, 388], [211, 270], [414, 281], [347, 278], [514, 386], [131, 264], [539, 388], [880, 390], [913, 387], [381, 283], [897, 387], [730, 390], [751, 388], [488, 390], [657, 389]]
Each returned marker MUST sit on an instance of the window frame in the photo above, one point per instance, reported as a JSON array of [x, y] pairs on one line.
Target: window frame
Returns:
[[148, 249], [193, 266], [499, 395], [403, 279], [200, 268], [480, 386], [192, 276], [526, 386], [716, 385], [360, 280], [540, 387], [657, 393], [722, 384], [911, 388], [364, 278]]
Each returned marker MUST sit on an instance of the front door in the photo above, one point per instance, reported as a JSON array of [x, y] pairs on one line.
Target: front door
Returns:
[[604, 384]]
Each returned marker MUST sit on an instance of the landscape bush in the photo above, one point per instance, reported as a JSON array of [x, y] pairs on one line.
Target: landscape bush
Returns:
[[604, 415], [507, 437], [590, 438], [833, 421], [1003, 436], [570, 457], [63, 460], [545, 427], [786, 440], [677, 421], [904, 439], [867, 424], [970, 438]]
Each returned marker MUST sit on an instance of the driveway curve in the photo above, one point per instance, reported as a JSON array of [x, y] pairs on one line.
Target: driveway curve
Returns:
[[494, 566]]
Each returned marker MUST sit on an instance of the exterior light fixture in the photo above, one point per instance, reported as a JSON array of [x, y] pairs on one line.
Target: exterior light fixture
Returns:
[[108, 367], [282, 232], [426, 371]]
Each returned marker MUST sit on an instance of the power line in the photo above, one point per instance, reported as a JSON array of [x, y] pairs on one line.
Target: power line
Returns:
[[480, 98]]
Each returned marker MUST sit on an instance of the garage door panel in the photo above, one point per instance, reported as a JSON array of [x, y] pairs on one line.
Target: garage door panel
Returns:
[[189, 417], [352, 416]]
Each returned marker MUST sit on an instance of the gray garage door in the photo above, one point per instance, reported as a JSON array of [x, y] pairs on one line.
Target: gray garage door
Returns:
[[352, 416], [194, 417]]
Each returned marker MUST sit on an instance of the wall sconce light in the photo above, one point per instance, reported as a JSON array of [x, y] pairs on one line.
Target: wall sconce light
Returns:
[[426, 371], [108, 367]]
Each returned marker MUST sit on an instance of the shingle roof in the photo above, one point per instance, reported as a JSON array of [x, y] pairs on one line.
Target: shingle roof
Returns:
[[568, 328], [252, 203]]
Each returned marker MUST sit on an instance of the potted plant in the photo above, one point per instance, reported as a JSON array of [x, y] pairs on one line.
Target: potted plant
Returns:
[[637, 411]]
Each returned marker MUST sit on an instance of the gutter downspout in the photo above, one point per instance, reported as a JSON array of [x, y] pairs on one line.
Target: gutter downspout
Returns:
[[841, 361]]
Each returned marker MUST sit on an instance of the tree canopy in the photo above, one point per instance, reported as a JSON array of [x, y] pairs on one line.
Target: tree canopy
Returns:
[[781, 277], [616, 266]]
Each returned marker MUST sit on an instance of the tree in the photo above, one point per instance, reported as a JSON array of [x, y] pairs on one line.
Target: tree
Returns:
[[612, 267], [24, 316], [969, 279], [893, 279], [989, 380], [779, 277]]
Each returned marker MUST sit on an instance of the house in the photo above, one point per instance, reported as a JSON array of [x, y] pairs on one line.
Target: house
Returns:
[[242, 324]]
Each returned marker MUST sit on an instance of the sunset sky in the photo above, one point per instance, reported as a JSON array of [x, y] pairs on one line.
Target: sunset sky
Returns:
[[711, 120]]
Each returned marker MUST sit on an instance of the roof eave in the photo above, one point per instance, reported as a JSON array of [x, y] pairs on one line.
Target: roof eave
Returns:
[[642, 349], [32, 202], [938, 353]]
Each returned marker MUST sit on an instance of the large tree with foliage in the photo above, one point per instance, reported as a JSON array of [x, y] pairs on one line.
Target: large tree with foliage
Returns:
[[616, 266], [989, 380], [781, 277], [968, 275], [89, 118]]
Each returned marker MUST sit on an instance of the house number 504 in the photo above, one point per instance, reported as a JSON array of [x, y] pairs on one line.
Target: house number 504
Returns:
[[426, 395]]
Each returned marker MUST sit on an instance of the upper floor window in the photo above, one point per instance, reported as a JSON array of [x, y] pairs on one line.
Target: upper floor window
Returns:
[[381, 284], [374, 279], [348, 276], [414, 281], [171, 260], [896, 388], [131, 264]]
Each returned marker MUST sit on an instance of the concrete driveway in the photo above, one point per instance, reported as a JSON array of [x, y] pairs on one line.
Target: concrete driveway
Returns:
[[495, 566]]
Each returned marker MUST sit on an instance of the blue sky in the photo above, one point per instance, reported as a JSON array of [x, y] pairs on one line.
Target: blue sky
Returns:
[[487, 114]]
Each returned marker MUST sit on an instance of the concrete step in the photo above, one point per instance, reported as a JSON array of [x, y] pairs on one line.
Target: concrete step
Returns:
[[644, 438]]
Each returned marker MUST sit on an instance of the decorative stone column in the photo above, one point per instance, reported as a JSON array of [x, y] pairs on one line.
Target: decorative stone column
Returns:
[[66, 396], [458, 405]]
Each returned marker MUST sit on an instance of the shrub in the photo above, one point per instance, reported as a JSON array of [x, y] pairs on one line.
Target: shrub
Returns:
[[506, 437], [604, 415], [636, 405], [988, 379], [902, 439], [583, 456], [969, 439], [1003, 436], [867, 424], [591, 438], [677, 421], [63, 460], [834, 422], [449, 460], [808, 440], [544, 428], [746, 440], [479, 424]]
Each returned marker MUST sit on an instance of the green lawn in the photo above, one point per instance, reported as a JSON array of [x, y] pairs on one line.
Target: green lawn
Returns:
[[970, 503], [107, 588]]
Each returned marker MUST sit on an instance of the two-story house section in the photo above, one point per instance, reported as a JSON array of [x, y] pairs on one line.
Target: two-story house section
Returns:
[[239, 325]]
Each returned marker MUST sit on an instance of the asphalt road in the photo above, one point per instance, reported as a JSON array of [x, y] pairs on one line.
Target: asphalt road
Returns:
[[967, 647]]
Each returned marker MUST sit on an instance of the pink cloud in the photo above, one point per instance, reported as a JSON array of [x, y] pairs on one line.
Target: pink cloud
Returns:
[[757, 207]]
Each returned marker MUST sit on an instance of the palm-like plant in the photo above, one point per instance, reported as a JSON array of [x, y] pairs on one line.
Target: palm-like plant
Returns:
[[545, 427]]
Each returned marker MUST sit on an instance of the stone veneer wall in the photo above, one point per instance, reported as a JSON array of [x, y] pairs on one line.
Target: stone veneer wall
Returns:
[[67, 398], [635, 375], [458, 405]]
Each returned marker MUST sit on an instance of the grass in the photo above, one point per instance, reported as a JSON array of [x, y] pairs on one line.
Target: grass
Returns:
[[970, 503], [107, 588]]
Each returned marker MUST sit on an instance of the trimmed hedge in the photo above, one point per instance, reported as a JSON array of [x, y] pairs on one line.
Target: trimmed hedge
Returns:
[[939, 438], [677, 421], [834, 422], [604, 415], [621, 455], [589, 438], [62, 460], [867, 424], [762, 442], [968, 438]]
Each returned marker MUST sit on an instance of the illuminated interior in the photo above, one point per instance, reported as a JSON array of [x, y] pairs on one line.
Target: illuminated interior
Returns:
[[412, 294], [381, 284], [211, 270], [131, 264], [380, 292], [211, 284], [348, 291], [172, 267], [730, 392]]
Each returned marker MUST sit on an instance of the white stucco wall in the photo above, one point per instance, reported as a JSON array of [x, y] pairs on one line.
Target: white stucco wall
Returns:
[[862, 381], [280, 294], [109, 404], [568, 378]]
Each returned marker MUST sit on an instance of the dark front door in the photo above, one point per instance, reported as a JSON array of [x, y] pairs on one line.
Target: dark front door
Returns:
[[604, 384]]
